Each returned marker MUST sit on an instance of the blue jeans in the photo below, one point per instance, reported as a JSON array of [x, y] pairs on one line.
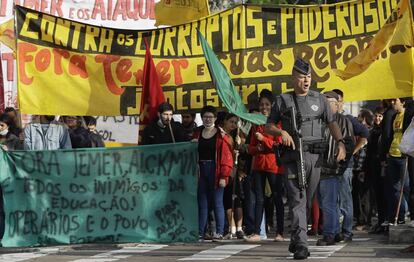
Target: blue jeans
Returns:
[[345, 201], [258, 186], [395, 172], [249, 204], [328, 200], [209, 196]]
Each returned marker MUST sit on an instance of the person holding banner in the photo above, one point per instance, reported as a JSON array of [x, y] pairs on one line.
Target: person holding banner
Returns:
[[164, 129], [309, 110], [216, 165], [45, 133], [8, 141]]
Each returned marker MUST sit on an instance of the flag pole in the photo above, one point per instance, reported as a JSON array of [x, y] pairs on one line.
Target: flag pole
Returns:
[[171, 132]]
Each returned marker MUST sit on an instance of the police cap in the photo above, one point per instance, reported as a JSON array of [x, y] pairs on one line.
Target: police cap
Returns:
[[302, 66]]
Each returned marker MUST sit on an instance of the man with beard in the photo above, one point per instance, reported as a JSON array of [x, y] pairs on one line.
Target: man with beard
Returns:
[[164, 129], [188, 123]]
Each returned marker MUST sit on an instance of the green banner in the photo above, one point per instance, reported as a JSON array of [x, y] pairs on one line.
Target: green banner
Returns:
[[135, 194], [225, 87]]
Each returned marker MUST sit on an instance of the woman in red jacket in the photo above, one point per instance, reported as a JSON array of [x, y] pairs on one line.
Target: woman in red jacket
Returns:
[[264, 167], [216, 165]]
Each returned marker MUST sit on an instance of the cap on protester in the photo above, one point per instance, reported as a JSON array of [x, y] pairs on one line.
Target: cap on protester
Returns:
[[331, 94], [302, 66]]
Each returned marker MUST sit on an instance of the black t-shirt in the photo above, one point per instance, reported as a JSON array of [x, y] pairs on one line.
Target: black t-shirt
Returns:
[[207, 148]]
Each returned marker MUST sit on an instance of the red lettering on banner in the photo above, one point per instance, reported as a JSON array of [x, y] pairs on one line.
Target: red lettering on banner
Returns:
[[9, 58], [3, 7], [56, 8], [148, 10], [177, 64], [99, 8], [151, 7], [132, 14], [77, 66], [139, 76], [162, 69], [42, 60], [53, 7], [83, 13], [120, 8], [33, 4], [25, 48], [122, 70], [106, 61], [71, 10], [43, 6], [109, 9], [143, 9], [58, 54]]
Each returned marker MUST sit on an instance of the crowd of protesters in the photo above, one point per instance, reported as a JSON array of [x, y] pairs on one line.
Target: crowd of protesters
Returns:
[[241, 190], [48, 133], [242, 185]]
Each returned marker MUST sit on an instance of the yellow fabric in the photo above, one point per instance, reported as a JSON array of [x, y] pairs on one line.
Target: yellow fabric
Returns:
[[97, 66], [395, 32], [397, 126], [7, 34], [175, 12]]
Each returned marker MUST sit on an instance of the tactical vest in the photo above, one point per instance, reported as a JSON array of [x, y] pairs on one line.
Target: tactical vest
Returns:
[[309, 117]]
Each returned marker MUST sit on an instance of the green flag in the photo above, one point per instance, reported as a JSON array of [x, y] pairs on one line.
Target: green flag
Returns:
[[225, 87], [129, 194]]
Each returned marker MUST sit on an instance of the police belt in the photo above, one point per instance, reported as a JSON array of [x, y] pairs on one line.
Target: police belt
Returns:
[[315, 147]]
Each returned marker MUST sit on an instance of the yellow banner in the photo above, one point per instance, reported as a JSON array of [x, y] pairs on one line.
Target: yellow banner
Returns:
[[69, 68], [7, 34], [398, 31], [175, 12]]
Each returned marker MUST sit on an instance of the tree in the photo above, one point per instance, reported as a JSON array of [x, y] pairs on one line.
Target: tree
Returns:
[[220, 5]]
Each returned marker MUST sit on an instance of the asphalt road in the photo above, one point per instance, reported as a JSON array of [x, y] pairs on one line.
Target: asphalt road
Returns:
[[365, 247]]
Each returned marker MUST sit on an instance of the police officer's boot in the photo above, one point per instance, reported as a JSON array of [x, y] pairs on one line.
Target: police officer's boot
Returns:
[[292, 247], [301, 253]]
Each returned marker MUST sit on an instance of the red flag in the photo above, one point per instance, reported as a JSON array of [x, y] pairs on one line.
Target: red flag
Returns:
[[152, 94]]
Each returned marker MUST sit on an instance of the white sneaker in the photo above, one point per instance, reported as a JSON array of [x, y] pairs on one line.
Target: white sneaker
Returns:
[[411, 224], [385, 223]]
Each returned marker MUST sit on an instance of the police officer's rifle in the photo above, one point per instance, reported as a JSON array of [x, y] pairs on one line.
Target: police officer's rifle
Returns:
[[297, 139]]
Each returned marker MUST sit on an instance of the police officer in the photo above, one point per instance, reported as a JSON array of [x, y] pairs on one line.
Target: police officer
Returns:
[[312, 112]]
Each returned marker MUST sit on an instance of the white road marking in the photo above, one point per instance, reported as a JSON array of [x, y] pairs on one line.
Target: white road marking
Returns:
[[219, 252], [15, 257], [115, 255]]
